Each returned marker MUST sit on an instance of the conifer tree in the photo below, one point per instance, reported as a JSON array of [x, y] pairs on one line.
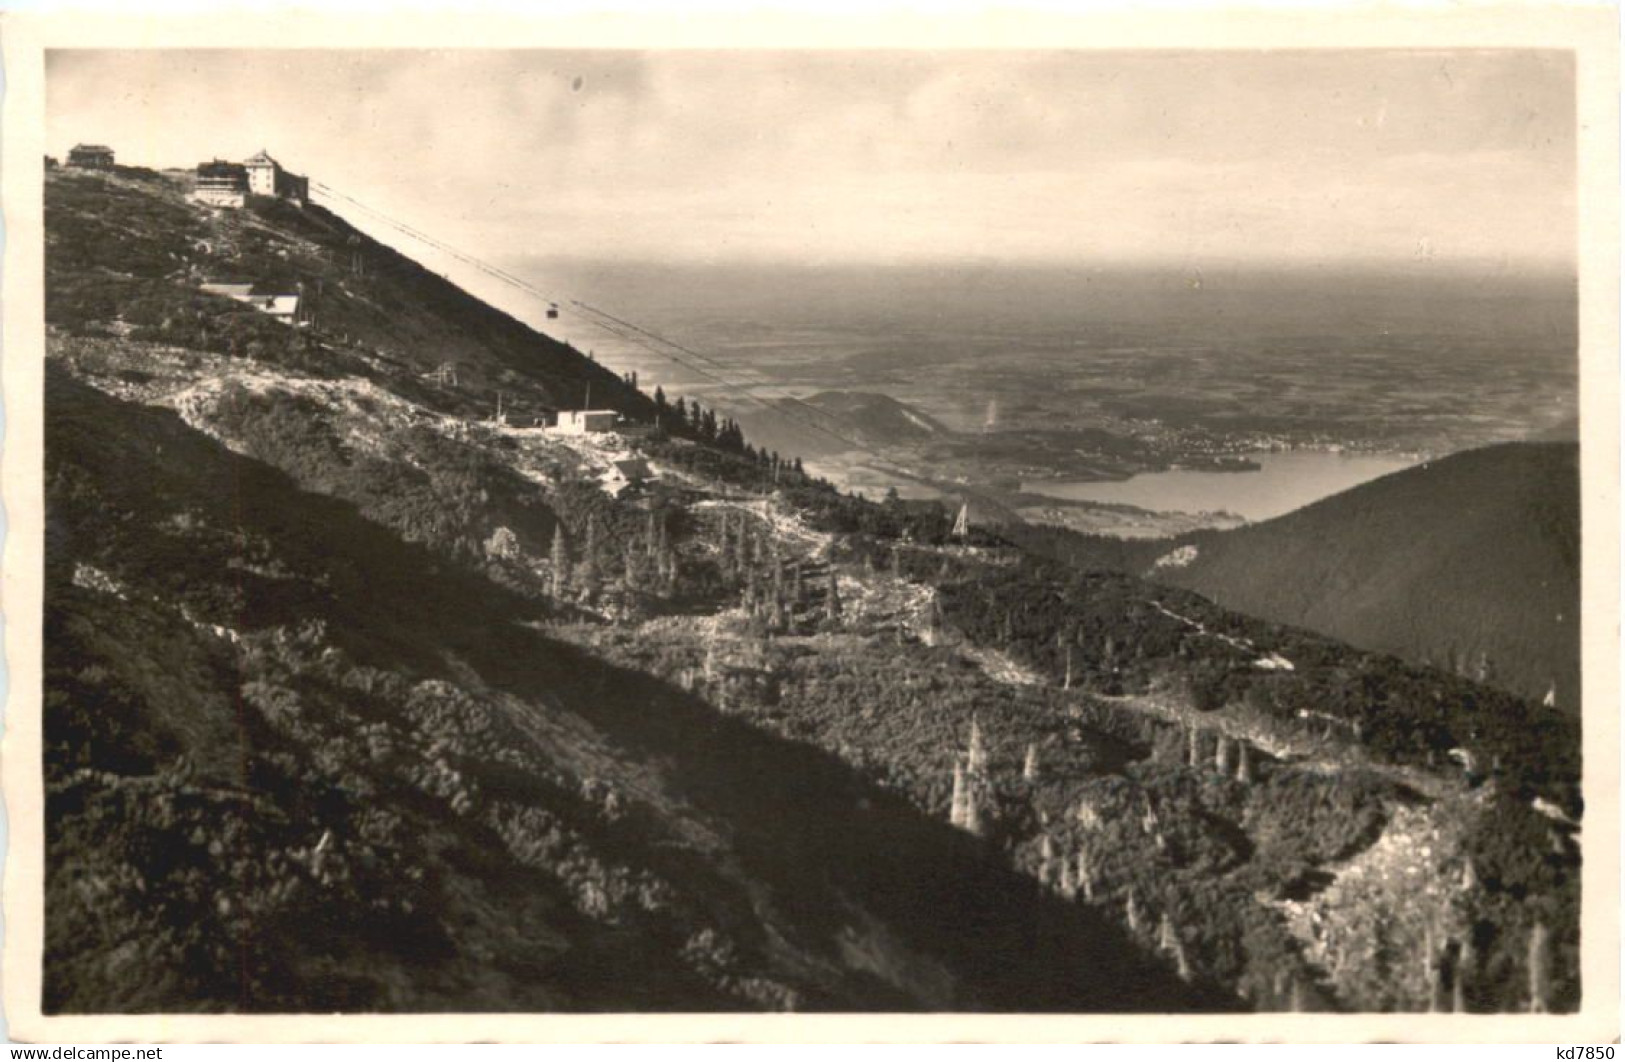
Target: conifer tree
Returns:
[[559, 564], [632, 569], [973, 811], [1046, 860], [1432, 981], [1465, 964], [1244, 763], [965, 811], [1540, 969], [1182, 965], [665, 562], [1166, 938], [1086, 877], [957, 816], [975, 750], [651, 535], [587, 570]]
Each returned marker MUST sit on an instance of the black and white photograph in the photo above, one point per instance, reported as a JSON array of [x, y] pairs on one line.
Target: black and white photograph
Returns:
[[1043, 530]]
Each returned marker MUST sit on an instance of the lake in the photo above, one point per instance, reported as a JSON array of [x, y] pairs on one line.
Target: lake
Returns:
[[1285, 481]]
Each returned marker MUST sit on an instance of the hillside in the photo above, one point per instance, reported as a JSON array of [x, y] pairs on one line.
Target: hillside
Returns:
[[1471, 562], [356, 699], [876, 420], [830, 422]]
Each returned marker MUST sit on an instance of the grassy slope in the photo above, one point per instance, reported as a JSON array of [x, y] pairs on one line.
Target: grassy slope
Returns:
[[1477, 553], [113, 243]]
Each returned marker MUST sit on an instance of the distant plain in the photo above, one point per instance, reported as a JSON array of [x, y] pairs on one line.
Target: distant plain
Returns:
[[1074, 375]]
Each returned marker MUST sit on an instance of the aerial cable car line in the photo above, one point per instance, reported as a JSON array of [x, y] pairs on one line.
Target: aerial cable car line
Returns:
[[598, 318], [620, 328], [424, 237], [509, 278], [696, 354]]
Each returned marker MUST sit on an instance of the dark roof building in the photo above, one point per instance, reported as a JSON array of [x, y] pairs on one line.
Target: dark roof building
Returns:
[[625, 473], [221, 183]]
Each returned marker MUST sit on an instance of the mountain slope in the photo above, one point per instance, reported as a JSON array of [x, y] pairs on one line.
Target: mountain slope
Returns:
[[274, 714], [878, 420], [1471, 562], [358, 700]]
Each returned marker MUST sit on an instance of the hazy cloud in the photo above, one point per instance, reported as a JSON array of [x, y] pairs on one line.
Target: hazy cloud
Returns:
[[1192, 156]]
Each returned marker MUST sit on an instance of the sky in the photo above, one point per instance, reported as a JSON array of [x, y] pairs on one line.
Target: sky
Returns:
[[1196, 159]]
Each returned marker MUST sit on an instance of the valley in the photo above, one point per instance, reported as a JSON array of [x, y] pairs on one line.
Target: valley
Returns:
[[1094, 375]]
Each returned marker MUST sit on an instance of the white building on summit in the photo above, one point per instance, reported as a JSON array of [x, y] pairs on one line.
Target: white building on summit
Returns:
[[267, 177]]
